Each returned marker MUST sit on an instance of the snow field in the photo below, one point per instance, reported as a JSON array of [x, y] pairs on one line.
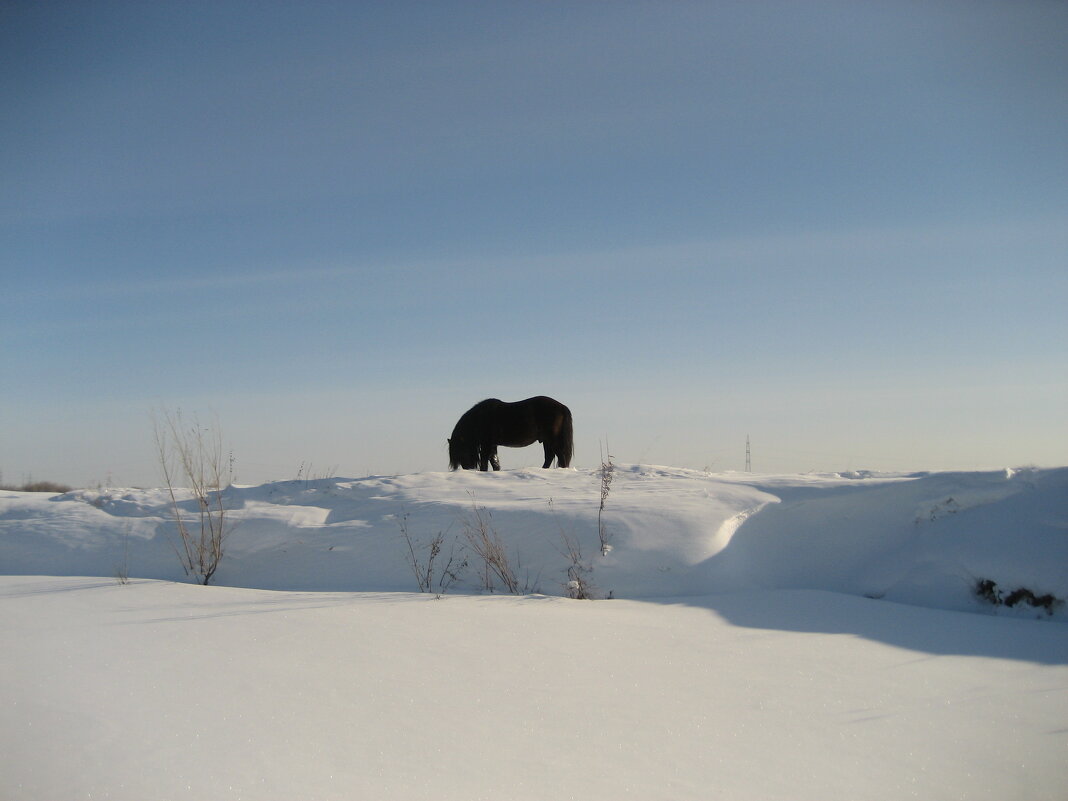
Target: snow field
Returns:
[[161, 690], [771, 637]]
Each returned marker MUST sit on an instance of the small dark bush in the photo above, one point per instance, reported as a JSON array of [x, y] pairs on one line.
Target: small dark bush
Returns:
[[990, 592], [1023, 594]]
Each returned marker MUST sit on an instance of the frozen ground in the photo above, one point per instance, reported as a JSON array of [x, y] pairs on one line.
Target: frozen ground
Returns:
[[771, 637]]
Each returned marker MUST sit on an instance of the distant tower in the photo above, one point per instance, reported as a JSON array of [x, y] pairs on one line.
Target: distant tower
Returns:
[[748, 456]]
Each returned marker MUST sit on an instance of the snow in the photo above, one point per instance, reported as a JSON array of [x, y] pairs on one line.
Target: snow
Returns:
[[793, 637]]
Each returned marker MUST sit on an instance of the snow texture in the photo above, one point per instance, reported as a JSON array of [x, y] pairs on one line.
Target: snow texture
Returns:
[[769, 637]]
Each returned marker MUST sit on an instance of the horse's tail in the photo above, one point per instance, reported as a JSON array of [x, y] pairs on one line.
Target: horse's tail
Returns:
[[565, 440]]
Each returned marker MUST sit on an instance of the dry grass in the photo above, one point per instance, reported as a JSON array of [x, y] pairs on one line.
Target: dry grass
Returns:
[[36, 486]]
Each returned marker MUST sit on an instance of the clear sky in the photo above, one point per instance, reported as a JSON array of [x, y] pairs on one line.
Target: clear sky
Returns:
[[838, 228]]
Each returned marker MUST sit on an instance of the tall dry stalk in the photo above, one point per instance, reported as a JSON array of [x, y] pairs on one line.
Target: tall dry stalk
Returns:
[[607, 470], [191, 455]]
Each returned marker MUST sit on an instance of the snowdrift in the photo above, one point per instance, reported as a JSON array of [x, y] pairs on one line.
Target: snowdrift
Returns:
[[926, 539]]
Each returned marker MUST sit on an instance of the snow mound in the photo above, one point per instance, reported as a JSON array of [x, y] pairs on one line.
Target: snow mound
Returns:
[[926, 539]]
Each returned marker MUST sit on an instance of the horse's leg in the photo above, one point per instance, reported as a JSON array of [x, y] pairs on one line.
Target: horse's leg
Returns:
[[494, 460], [550, 453]]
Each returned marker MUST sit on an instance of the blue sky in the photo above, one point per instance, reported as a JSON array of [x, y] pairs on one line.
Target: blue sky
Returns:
[[838, 228]]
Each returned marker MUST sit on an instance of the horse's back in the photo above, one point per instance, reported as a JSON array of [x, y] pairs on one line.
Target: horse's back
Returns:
[[544, 402]]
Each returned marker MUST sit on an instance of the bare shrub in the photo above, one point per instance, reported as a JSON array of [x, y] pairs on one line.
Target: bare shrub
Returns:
[[191, 455], [497, 565], [432, 575], [579, 584]]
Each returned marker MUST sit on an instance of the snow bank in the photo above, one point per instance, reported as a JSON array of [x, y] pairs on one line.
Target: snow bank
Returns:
[[924, 539]]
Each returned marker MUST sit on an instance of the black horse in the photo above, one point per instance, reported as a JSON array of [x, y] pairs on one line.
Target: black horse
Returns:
[[493, 422]]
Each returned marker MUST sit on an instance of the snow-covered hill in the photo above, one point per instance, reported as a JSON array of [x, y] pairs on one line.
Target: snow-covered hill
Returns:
[[771, 637]]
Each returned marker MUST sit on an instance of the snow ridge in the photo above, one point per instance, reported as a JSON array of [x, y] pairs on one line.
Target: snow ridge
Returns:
[[919, 538]]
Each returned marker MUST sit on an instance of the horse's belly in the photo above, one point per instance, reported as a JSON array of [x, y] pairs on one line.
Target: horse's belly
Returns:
[[519, 443]]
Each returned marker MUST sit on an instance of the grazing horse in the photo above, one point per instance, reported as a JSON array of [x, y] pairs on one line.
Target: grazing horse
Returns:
[[493, 422]]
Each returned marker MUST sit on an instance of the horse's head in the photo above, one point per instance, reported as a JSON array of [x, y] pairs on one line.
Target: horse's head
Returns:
[[463, 452]]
